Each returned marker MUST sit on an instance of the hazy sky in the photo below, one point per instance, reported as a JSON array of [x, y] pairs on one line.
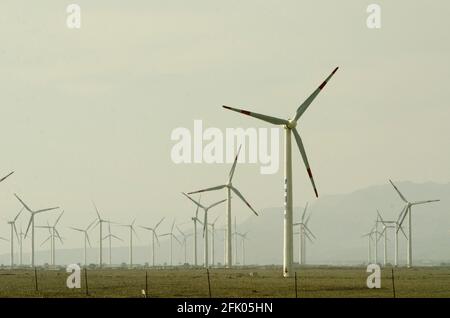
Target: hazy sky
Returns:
[[87, 114]]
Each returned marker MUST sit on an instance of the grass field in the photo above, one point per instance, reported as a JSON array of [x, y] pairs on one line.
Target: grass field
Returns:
[[248, 282]]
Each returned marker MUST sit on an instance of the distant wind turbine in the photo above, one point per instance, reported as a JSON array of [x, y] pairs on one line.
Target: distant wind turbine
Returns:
[[289, 128], [86, 239], [132, 230], [31, 223], [304, 232], [184, 243], [205, 224], [12, 223], [213, 234], [53, 233], [229, 187], [100, 222], [390, 225], [154, 237], [171, 236], [110, 236], [407, 211]]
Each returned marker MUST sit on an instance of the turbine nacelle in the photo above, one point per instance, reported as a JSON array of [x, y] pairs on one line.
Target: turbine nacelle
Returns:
[[292, 123]]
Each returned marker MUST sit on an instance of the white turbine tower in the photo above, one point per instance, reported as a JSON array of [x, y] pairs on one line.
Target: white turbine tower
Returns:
[[132, 230], [304, 233], [289, 128], [243, 239], [195, 220], [53, 233], [401, 218], [369, 241], [154, 236], [390, 225], [21, 238], [86, 239], [205, 224], [213, 233], [172, 236], [12, 223], [229, 187], [31, 223], [100, 222], [184, 243]]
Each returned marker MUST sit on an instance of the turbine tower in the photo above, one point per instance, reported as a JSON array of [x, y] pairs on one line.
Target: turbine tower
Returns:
[[86, 239], [205, 223], [407, 212], [53, 233], [154, 236], [195, 220], [289, 129], [110, 236], [100, 222], [132, 230], [31, 223], [229, 187], [184, 243], [243, 239], [213, 233], [12, 223], [387, 224]]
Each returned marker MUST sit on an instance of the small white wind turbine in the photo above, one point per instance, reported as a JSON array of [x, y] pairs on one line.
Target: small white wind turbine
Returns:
[[195, 220], [110, 236], [31, 223], [205, 224], [401, 218], [172, 236], [243, 239], [53, 234], [100, 222], [86, 239], [154, 237], [229, 187], [289, 129], [12, 223], [213, 234], [304, 233], [390, 225], [184, 243], [132, 230]]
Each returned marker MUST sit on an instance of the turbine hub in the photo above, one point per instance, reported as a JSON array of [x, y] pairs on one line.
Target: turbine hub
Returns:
[[291, 124]]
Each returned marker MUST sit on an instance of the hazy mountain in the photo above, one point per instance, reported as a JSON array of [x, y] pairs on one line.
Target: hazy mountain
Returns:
[[338, 221]]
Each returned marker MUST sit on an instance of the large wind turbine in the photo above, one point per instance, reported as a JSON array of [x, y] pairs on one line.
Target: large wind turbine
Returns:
[[205, 223], [154, 236], [289, 128], [132, 230], [12, 223], [407, 211], [172, 236], [31, 223], [229, 187], [53, 233], [86, 239], [304, 232]]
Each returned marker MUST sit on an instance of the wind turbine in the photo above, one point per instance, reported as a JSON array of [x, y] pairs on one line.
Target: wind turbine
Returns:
[[407, 211], [21, 237], [195, 220], [289, 128], [53, 233], [132, 230], [100, 222], [154, 236], [86, 239], [185, 237], [243, 238], [229, 187], [110, 236], [172, 236], [205, 223], [31, 223], [235, 234], [14, 230], [369, 249], [304, 232], [213, 232], [390, 225]]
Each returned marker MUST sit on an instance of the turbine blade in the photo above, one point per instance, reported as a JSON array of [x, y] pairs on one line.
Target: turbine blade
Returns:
[[233, 167], [45, 240], [45, 210], [15, 231], [239, 194], [305, 159], [310, 232], [17, 216], [3, 239], [208, 189], [23, 203], [76, 229], [92, 223], [401, 214], [217, 203], [88, 240], [197, 203], [6, 176], [404, 215], [423, 202], [304, 211], [96, 210], [308, 237], [177, 239], [171, 228], [398, 191], [59, 236], [401, 229], [156, 226], [269, 119], [29, 224], [181, 232], [59, 217], [116, 237], [304, 106]]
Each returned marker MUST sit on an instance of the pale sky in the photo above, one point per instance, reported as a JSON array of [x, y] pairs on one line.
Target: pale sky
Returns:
[[87, 114]]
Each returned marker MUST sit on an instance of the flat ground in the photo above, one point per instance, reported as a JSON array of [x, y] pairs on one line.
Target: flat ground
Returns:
[[248, 282]]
